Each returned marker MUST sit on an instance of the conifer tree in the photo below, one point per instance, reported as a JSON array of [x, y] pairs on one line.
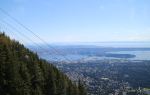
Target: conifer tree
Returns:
[[22, 72]]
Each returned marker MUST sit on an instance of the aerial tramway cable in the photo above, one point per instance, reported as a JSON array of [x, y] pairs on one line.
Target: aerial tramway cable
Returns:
[[24, 36], [35, 35]]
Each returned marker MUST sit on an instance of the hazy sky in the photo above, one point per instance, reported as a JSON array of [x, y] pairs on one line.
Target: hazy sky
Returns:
[[81, 20]]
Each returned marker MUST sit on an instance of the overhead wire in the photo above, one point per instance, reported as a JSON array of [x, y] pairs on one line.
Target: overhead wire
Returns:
[[10, 32], [26, 37], [35, 35]]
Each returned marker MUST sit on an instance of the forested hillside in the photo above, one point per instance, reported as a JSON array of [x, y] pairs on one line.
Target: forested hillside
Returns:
[[22, 72]]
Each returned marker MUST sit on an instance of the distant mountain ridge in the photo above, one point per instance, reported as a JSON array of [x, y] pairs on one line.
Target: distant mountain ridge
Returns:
[[22, 72]]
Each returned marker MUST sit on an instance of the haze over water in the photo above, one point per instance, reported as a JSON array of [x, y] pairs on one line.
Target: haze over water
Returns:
[[110, 44]]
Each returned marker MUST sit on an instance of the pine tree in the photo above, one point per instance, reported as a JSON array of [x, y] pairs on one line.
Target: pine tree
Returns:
[[81, 88], [23, 73]]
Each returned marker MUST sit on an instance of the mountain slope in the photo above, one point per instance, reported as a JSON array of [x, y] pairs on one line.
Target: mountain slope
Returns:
[[22, 72]]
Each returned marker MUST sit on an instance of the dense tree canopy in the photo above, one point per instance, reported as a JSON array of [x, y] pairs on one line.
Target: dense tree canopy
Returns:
[[22, 72]]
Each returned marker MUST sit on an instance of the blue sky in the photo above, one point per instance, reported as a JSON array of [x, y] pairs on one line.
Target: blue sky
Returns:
[[80, 20]]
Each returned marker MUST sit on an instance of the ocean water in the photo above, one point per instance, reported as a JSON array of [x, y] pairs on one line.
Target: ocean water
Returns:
[[140, 55]]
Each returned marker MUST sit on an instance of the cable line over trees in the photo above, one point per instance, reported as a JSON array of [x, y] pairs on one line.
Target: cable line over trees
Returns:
[[58, 52], [24, 36]]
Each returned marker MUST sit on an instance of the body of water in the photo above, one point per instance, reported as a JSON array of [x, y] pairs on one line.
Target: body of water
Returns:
[[140, 55]]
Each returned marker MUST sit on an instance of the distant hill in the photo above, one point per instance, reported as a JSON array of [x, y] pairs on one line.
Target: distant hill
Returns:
[[22, 72]]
